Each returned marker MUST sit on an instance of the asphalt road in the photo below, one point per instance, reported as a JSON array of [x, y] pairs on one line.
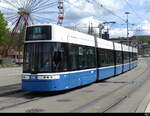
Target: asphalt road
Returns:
[[10, 76], [125, 93]]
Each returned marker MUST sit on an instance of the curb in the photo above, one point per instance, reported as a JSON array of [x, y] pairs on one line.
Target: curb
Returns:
[[143, 107], [148, 109]]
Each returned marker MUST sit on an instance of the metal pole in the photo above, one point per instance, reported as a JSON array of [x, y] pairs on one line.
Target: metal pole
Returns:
[[101, 27], [127, 13], [127, 29]]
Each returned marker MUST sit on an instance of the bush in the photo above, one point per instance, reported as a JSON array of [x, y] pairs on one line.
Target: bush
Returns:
[[1, 61]]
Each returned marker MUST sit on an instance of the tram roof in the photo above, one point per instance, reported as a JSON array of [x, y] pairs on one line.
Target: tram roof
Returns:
[[61, 34], [118, 46], [75, 37]]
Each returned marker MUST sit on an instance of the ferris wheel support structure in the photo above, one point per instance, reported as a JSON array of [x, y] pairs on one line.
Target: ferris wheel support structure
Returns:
[[22, 13]]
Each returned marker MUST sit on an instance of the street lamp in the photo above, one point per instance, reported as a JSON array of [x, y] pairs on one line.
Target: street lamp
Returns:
[[111, 22], [101, 26], [127, 13]]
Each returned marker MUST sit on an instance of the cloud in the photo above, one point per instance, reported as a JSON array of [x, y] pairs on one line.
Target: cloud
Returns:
[[143, 28], [83, 24], [119, 32], [144, 3], [4, 5], [76, 10], [82, 12], [114, 5]]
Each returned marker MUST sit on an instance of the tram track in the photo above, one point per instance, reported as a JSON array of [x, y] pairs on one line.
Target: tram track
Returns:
[[124, 96], [12, 95], [114, 94], [130, 90], [9, 89], [22, 97], [18, 97]]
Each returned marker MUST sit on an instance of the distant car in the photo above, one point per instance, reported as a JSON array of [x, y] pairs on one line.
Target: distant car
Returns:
[[140, 56], [146, 55]]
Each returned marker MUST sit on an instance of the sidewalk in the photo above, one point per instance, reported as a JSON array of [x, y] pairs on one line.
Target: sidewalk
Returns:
[[145, 105], [148, 109], [148, 106]]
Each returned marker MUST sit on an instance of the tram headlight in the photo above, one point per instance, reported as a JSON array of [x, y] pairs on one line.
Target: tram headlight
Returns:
[[25, 77], [41, 77], [56, 77]]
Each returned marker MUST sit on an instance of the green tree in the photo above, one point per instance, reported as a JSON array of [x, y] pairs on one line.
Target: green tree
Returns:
[[4, 33], [3, 29], [143, 39]]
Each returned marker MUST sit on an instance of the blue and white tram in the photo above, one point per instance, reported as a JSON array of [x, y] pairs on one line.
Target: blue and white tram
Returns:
[[135, 57], [105, 59], [126, 58], [118, 58], [56, 59]]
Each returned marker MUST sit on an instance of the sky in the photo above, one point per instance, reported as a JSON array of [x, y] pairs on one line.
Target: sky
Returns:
[[80, 13]]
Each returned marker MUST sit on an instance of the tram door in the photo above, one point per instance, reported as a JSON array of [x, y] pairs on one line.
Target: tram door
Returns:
[[97, 58], [115, 63]]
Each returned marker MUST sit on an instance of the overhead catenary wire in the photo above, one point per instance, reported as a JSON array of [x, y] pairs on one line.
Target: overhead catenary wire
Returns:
[[136, 14], [98, 6], [94, 2], [110, 11]]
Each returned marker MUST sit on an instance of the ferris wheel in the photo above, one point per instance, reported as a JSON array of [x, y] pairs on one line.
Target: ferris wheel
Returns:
[[22, 13]]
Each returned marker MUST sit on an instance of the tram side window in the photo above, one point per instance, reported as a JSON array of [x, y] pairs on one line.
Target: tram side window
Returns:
[[86, 57], [131, 57], [26, 59], [135, 57], [82, 57], [106, 57], [91, 60], [110, 57], [73, 57], [101, 56], [118, 57], [30, 63], [126, 57]]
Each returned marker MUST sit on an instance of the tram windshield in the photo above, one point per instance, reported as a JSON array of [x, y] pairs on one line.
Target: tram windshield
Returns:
[[44, 58], [56, 57], [38, 33]]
